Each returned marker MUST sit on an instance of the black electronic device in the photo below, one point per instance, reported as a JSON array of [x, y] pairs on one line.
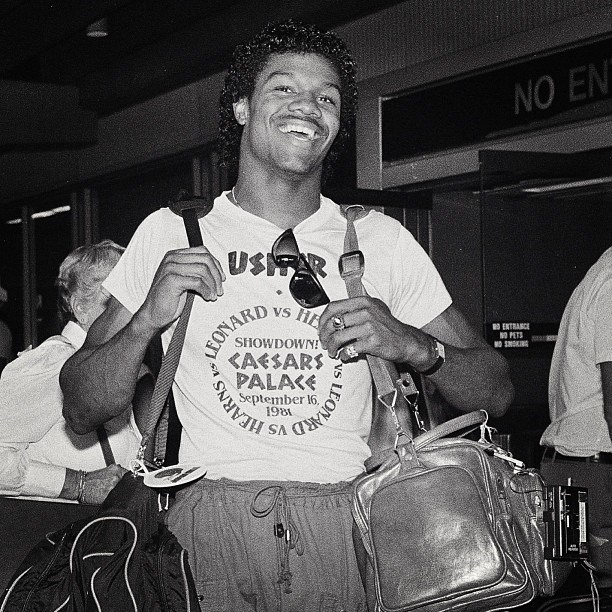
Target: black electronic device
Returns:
[[566, 520]]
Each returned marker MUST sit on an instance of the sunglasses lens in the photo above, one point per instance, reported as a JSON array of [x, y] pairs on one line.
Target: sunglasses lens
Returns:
[[306, 290], [285, 250], [304, 285]]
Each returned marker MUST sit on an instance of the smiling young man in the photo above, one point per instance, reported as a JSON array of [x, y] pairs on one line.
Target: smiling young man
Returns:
[[274, 400]]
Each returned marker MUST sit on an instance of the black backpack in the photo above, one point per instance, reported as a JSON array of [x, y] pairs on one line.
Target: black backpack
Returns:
[[121, 559]]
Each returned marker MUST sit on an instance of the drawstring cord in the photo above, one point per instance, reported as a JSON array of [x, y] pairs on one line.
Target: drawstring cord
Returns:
[[285, 530]]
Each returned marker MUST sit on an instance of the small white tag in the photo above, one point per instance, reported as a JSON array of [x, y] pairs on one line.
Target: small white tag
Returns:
[[516, 462], [174, 475]]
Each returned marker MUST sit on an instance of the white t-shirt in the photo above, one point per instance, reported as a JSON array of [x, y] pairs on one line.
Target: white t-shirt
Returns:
[[258, 396], [578, 427]]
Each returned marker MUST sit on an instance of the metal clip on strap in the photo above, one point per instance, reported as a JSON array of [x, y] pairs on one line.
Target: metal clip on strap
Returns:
[[389, 401], [411, 395]]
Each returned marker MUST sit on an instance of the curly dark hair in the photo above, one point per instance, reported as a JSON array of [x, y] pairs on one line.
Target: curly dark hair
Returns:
[[249, 59]]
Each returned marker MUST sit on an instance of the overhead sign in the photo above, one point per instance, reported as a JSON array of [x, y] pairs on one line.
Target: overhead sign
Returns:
[[559, 88]]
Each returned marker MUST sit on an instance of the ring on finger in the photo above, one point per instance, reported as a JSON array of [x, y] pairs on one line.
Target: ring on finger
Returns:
[[350, 351], [338, 322]]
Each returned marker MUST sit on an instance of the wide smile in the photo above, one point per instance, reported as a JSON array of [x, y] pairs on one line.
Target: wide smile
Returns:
[[300, 130]]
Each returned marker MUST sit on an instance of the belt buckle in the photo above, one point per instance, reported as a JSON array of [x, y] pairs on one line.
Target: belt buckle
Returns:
[[601, 457]]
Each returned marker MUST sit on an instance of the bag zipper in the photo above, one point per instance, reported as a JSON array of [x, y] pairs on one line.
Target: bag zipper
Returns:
[[160, 565], [44, 573]]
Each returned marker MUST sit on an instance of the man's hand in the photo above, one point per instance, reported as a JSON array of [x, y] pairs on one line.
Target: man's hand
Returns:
[[366, 324], [99, 484], [182, 270], [474, 375]]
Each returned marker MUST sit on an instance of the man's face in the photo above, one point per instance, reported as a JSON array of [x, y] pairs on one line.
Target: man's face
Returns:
[[293, 116], [88, 310]]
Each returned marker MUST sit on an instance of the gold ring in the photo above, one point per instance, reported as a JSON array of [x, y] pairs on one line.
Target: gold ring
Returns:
[[338, 322]]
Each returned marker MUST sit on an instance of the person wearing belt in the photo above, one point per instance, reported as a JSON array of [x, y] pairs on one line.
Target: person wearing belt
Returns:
[[578, 440]]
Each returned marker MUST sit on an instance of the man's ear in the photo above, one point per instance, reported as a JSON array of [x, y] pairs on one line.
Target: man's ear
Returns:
[[241, 111], [78, 310]]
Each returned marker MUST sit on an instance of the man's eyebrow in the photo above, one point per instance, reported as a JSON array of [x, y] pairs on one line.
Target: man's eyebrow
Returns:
[[278, 73], [292, 75]]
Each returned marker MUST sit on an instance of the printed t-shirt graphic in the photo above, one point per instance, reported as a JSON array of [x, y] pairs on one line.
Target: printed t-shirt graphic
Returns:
[[257, 395]]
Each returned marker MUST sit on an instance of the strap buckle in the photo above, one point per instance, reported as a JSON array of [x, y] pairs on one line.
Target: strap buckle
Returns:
[[351, 264]]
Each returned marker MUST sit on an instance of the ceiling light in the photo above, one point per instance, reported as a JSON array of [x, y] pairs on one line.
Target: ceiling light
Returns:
[[569, 185], [98, 29], [43, 214]]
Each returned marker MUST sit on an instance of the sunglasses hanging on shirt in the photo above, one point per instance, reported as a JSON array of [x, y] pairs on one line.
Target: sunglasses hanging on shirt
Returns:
[[304, 285]]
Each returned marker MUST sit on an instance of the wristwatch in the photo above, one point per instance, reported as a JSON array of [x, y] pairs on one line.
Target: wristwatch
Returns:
[[440, 357]]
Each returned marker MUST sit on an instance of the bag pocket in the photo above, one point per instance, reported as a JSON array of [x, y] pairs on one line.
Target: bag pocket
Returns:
[[436, 518]]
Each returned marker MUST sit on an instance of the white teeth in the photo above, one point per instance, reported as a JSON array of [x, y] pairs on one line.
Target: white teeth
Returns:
[[309, 132]]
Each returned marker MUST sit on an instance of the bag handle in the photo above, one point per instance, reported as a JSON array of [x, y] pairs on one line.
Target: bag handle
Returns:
[[464, 421], [190, 209]]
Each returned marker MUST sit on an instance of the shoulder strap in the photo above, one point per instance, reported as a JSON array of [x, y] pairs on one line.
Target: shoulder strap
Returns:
[[107, 451], [398, 394], [190, 210]]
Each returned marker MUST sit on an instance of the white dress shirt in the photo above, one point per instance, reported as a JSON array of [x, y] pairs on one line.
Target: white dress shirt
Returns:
[[578, 427], [36, 444]]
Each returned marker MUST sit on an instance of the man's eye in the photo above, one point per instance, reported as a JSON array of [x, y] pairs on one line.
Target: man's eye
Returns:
[[284, 88], [328, 100]]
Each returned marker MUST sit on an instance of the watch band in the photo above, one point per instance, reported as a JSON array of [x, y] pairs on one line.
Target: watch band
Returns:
[[440, 357]]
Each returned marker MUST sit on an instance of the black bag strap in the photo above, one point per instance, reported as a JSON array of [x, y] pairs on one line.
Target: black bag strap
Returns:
[[397, 393], [107, 451], [190, 209], [173, 433]]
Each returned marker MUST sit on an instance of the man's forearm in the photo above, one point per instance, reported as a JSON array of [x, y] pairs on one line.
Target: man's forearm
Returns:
[[606, 385], [475, 378], [608, 419], [98, 382]]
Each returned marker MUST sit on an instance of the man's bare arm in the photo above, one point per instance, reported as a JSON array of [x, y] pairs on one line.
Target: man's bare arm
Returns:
[[474, 376], [99, 380], [606, 384]]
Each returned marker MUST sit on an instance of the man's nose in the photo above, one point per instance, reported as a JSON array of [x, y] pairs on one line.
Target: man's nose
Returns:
[[307, 103]]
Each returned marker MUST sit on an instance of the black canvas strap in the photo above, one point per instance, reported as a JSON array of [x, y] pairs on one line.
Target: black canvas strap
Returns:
[[173, 433], [107, 451], [190, 210]]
